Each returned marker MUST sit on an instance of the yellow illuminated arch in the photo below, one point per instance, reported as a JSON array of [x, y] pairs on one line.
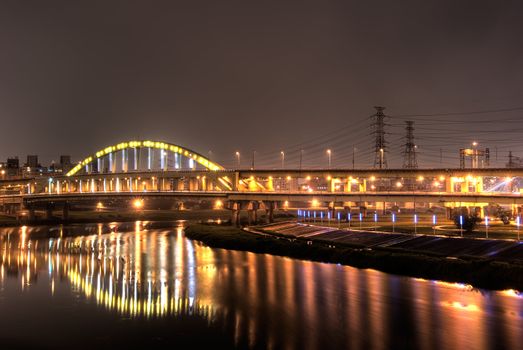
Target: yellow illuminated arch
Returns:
[[149, 144]]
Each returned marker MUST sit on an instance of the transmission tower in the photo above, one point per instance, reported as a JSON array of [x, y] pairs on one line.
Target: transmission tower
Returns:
[[380, 150], [410, 160]]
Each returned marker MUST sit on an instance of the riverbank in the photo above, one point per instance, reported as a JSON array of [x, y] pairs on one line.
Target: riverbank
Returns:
[[480, 273]]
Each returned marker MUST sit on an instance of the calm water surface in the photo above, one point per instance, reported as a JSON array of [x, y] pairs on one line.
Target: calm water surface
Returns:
[[123, 285]]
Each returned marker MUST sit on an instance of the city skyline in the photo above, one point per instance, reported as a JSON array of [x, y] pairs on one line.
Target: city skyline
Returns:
[[229, 79]]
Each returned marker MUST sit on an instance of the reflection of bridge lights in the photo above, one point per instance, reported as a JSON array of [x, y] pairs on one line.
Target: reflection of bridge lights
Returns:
[[138, 203], [508, 179]]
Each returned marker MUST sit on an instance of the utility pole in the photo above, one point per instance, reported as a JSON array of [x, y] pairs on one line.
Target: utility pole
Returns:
[[380, 161], [410, 160], [510, 163], [353, 156]]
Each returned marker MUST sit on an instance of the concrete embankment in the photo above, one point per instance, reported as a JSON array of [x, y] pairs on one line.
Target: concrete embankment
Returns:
[[373, 250]]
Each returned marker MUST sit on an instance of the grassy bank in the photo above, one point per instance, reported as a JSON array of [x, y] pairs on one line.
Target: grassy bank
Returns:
[[481, 273]]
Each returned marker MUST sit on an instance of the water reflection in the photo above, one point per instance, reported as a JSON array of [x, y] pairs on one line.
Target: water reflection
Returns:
[[257, 301]]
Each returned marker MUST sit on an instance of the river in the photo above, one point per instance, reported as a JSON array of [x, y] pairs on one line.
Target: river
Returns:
[[135, 284]]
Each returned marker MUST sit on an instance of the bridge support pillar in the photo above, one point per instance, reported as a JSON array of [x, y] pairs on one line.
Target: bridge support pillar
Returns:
[[235, 214], [31, 215], [65, 211], [252, 213], [270, 212], [49, 212]]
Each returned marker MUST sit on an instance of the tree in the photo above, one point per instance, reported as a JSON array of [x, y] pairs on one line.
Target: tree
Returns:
[[466, 221]]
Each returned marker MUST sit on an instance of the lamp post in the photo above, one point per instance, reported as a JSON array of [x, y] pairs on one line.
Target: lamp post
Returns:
[[518, 223], [486, 226], [381, 158], [361, 219], [434, 224], [282, 153], [461, 225], [415, 224], [393, 222], [349, 217], [238, 158], [329, 152]]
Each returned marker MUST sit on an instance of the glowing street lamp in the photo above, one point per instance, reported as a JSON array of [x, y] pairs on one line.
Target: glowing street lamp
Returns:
[[238, 158], [461, 225], [486, 226], [415, 223], [518, 223], [375, 221], [393, 222], [282, 153], [434, 220], [361, 219], [138, 203], [329, 153], [349, 217], [339, 220]]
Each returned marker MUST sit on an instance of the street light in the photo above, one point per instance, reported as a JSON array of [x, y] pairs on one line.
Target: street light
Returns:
[[518, 223], [381, 158], [393, 222], [486, 226], [238, 158], [329, 152], [282, 159]]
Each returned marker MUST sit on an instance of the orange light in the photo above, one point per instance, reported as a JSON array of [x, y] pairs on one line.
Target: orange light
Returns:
[[138, 203]]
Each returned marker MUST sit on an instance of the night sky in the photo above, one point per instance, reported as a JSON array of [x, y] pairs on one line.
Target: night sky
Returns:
[[223, 76]]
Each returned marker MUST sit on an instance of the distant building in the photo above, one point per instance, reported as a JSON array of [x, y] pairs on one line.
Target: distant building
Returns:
[[13, 166], [32, 162], [65, 163]]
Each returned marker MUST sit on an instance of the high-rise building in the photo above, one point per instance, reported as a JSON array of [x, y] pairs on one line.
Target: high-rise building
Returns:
[[32, 162], [65, 163], [13, 166]]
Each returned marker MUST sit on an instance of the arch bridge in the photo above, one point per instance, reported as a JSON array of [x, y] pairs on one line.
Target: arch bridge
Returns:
[[148, 168]]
